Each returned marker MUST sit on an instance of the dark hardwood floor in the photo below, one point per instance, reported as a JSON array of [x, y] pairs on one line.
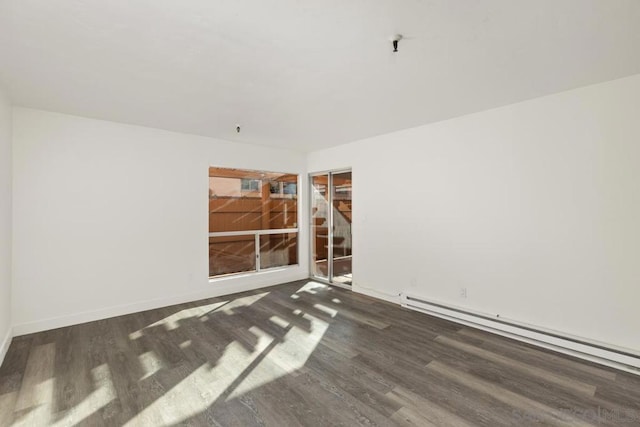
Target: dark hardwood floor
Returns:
[[300, 354]]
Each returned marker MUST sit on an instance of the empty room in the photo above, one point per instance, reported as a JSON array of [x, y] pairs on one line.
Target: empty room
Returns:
[[305, 213]]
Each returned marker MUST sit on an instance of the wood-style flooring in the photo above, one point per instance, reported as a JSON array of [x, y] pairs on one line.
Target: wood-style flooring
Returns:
[[300, 354]]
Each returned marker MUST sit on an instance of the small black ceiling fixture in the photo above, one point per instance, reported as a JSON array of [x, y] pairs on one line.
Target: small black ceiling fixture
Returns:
[[395, 39]]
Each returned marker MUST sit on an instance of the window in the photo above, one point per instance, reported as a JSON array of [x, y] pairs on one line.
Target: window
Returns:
[[282, 189], [250, 184], [275, 187], [253, 220]]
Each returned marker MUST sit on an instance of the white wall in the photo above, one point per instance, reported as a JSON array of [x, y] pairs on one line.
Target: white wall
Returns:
[[111, 218], [5, 222], [533, 207]]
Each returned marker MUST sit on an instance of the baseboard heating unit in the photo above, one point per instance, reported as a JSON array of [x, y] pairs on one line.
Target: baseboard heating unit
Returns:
[[605, 354]]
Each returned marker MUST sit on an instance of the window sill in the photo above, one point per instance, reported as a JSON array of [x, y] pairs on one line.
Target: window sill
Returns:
[[265, 272]]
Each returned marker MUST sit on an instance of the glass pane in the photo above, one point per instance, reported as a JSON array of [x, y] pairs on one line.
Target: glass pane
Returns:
[[320, 226], [231, 255], [341, 190], [277, 250], [241, 200]]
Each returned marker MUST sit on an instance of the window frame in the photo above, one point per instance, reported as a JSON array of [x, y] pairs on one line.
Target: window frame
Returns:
[[263, 232]]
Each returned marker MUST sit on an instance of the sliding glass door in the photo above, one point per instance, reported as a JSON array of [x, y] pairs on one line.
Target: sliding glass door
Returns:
[[341, 235], [331, 242], [320, 226]]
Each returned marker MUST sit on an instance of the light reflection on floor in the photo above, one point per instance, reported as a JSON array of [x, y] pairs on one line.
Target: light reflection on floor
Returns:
[[238, 372], [262, 346], [39, 404]]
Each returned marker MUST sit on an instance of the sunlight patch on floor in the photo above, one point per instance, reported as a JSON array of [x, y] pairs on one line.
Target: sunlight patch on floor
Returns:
[[150, 364], [39, 412], [38, 386], [311, 287], [103, 394], [242, 302], [200, 389], [286, 357], [279, 321], [239, 371], [7, 402], [330, 311], [173, 321], [37, 395]]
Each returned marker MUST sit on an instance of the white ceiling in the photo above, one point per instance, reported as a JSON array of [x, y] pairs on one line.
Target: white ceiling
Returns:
[[306, 74]]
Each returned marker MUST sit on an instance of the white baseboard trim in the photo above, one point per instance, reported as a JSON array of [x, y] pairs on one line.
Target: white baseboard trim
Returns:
[[4, 347], [602, 353], [222, 287], [394, 299]]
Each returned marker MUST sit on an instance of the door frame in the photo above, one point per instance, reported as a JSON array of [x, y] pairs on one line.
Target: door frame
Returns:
[[329, 279]]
